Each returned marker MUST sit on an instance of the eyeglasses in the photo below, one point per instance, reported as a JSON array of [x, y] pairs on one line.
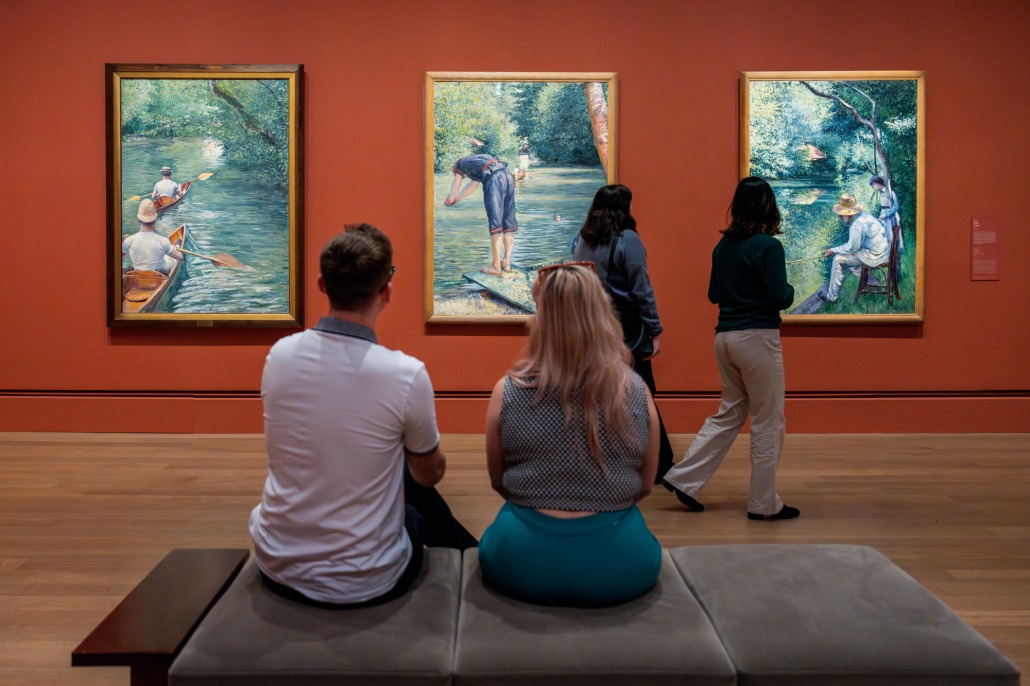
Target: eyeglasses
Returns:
[[563, 265], [393, 270]]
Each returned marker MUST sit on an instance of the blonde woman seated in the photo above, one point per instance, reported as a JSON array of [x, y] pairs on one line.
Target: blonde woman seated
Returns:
[[572, 445]]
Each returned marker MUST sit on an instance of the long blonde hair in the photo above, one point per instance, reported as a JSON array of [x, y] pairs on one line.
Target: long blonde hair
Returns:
[[576, 351]]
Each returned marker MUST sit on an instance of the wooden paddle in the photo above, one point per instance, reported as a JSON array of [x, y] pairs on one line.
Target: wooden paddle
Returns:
[[203, 177], [220, 260]]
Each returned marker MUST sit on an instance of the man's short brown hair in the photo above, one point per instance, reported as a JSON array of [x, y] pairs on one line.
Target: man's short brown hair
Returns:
[[355, 265]]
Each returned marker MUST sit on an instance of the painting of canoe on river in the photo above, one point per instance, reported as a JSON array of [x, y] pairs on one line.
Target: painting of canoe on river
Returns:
[[844, 153], [512, 163], [203, 195]]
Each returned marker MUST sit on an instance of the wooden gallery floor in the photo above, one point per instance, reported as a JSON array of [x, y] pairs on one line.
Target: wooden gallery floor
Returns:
[[83, 517]]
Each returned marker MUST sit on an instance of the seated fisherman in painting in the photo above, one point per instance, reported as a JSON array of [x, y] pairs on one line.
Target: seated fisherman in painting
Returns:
[[867, 245], [498, 198], [147, 249], [353, 447], [166, 188]]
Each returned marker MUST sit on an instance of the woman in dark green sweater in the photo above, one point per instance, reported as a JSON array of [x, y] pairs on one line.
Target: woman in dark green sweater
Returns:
[[749, 284]]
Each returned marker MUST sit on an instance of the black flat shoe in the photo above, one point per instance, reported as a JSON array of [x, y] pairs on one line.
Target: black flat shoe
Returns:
[[688, 502], [786, 512]]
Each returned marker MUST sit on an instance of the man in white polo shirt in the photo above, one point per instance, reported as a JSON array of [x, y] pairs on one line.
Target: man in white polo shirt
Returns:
[[353, 447]]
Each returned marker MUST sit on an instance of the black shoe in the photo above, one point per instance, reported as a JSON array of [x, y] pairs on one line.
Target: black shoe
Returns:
[[786, 512], [688, 502]]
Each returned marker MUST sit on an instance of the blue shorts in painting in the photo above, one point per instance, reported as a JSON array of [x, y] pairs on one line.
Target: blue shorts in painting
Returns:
[[499, 200]]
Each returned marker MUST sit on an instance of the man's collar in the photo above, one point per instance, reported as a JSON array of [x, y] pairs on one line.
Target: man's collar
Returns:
[[342, 327]]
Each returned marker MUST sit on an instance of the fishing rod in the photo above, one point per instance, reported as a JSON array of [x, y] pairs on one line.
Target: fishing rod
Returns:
[[805, 259]]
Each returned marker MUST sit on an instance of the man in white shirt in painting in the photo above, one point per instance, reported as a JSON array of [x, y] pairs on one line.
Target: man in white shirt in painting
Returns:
[[867, 245], [166, 188], [147, 249]]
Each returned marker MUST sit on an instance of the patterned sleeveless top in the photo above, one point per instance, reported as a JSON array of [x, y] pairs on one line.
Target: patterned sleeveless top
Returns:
[[548, 464]]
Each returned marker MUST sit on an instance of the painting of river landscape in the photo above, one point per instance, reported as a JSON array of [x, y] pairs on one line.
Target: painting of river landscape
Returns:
[[844, 154], [213, 151], [512, 163]]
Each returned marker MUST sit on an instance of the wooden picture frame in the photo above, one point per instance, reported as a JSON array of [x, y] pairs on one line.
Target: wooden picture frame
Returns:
[[549, 141], [233, 132], [818, 135]]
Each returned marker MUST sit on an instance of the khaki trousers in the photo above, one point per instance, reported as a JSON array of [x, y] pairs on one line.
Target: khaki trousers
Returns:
[[751, 372]]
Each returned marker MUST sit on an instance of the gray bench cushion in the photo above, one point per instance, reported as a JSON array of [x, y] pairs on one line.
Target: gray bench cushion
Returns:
[[254, 637], [833, 614], [662, 637]]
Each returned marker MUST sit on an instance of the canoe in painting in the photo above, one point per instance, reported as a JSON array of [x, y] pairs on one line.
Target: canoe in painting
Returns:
[[167, 202], [143, 291]]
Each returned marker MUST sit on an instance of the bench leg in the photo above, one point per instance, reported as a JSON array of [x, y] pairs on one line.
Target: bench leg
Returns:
[[151, 672]]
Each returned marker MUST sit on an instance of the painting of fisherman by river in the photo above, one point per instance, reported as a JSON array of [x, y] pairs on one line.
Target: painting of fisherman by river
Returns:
[[204, 204], [512, 163], [844, 153]]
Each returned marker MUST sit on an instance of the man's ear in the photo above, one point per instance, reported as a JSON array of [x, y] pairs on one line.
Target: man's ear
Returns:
[[321, 283], [387, 292]]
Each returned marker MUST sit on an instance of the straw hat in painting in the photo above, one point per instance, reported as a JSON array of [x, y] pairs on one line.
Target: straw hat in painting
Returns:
[[848, 205], [167, 171], [147, 211]]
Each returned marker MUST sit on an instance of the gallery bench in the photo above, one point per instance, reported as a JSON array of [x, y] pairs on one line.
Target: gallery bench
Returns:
[[255, 637], [833, 615], [662, 637], [149, 627], [755, 615]]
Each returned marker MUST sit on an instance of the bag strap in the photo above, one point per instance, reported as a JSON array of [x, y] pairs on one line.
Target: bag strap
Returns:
[[611, 259]]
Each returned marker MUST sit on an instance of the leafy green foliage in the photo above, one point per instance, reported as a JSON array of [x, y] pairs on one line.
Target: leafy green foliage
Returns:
[[782, 125], [551, 117], [470, 110], [562, 132], [249, 117], [784, 116]]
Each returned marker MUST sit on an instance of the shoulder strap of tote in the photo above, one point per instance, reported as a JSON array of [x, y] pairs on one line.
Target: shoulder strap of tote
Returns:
[[611, 259]]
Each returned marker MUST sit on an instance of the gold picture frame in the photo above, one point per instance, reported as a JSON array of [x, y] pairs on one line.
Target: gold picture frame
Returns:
[[230, 138], [818, 135], [521, 154]]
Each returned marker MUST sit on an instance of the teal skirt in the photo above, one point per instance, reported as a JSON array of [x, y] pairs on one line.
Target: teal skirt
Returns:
[[595, 561]]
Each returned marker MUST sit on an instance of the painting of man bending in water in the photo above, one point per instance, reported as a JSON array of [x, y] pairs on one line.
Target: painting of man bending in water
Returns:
[[844, 153], [512, 162]]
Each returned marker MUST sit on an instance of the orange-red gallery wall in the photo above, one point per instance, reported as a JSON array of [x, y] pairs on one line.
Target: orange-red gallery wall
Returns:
[[964, 368]]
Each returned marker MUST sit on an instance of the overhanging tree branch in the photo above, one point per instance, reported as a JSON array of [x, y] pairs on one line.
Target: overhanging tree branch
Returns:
[[246, 119], [868, 123]]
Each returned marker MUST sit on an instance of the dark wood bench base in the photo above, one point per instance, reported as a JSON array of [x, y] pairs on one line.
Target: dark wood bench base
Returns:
[[149, 627]]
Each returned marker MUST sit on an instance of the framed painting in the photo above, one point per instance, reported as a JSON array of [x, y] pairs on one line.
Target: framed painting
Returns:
[[204, 195], [512, 163], [845, 154]]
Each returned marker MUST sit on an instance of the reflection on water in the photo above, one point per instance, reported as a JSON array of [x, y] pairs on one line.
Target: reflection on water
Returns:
[[462, 238], [231, 212]]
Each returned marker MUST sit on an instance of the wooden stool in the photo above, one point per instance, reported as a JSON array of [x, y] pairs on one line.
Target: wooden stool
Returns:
[[882, 272], [886, 274]]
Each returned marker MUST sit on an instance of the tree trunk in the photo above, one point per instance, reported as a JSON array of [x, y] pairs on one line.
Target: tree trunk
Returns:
[[598, 109]]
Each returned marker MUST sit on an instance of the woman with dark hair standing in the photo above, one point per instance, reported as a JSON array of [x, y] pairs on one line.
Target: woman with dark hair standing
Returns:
[[609, 240], [749, 284]]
